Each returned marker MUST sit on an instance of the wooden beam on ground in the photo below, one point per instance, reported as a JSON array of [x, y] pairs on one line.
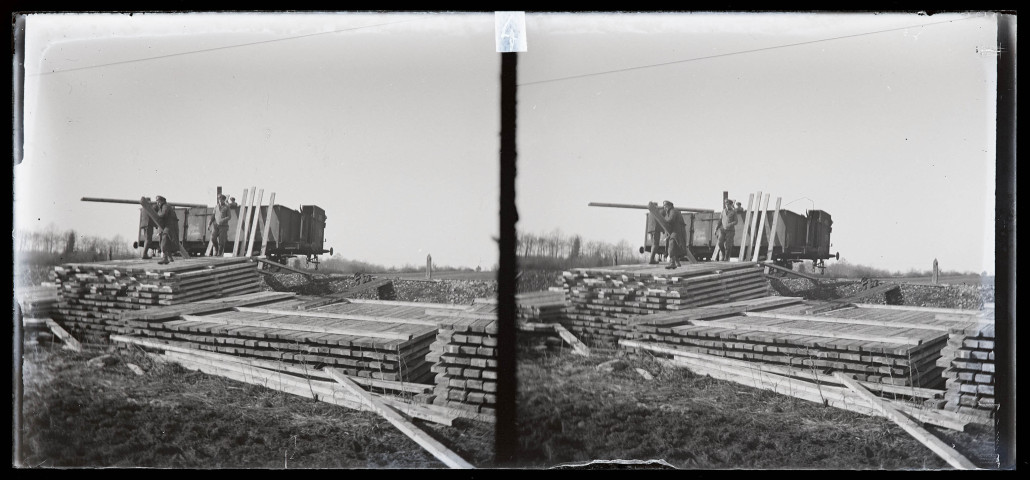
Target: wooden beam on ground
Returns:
[[329, 392], [917, 309], [844, 302], [239, 322], [747, 221], [254, 227], [335, 316], [744, 325], [577, 346], [806, 381], [239, 222], [69, 341], [446, 312], [203, 306], [284, 267], [438, 306], [792, 272], [760, 233], [849, 321], [299, 370], [935, 444], [434, 447], [268, 224], [344, 295]]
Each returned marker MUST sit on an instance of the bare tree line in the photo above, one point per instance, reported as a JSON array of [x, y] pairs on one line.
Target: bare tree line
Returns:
[[53, 241], [558, 245]]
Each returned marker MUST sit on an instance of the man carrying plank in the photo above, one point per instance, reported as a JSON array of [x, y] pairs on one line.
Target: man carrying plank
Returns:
[[168, 224], [672, 222]]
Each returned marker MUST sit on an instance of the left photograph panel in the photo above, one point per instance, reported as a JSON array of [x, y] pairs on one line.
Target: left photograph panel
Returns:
[[256, 241]]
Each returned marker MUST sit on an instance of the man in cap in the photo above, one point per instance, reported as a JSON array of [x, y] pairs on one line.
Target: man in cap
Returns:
[[675, 229], [220, 232], [726, 229], [168, 225]]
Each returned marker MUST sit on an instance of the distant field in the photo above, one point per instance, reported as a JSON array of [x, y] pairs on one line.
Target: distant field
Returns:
[[481, 276], [944, 279]]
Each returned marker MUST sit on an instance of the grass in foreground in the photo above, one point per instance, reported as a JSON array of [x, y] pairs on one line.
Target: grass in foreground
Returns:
[[568, 411], [75, 415]]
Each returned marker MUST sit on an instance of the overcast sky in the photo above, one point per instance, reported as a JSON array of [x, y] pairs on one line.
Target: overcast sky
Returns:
[[388, 122], [884, 121]]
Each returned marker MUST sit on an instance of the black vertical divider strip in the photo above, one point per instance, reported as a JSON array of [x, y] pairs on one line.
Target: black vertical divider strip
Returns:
[[506, 437], [1005, 243]]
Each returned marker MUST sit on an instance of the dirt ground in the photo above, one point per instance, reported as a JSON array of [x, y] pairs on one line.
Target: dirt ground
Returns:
[[77, 415], [570, 411]]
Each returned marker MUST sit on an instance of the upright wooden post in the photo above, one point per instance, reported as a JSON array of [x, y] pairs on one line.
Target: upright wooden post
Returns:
[[718, 225], [429, 267], [248, 211], [239, 223], [253, 228], [772, 232], [268, 223], [761, 228], [936, 273], [751, 200], [752, 226]]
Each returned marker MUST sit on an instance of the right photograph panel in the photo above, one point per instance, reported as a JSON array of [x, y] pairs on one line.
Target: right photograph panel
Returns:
[[760, 241]]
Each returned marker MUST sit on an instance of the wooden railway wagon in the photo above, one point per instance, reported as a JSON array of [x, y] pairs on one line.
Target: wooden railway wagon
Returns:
[[799, 237], [291, 232]]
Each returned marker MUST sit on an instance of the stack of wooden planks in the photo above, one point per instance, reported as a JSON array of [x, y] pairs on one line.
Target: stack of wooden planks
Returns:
[[969, 366], [544, 306], [37, 302], [372, 339], [465, 363], [91, 296], [871, 343], [601, 301]]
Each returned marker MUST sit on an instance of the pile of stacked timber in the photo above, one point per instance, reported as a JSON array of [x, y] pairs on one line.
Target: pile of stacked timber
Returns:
[[91, 296], [465, 362], [601, 301], [543, 307], [37, 302], [872, 343], [364, 338], [969, 368]]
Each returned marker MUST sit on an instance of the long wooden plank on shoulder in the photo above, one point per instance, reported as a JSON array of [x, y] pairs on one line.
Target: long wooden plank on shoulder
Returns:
[[335, 316], [950, 455], [357, 332], [434, 447]]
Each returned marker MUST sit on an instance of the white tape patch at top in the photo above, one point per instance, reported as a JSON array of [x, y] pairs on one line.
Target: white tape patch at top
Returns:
[[510, 31]]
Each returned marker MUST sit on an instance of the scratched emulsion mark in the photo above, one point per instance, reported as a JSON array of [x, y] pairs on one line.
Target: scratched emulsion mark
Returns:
[[510, 31]]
